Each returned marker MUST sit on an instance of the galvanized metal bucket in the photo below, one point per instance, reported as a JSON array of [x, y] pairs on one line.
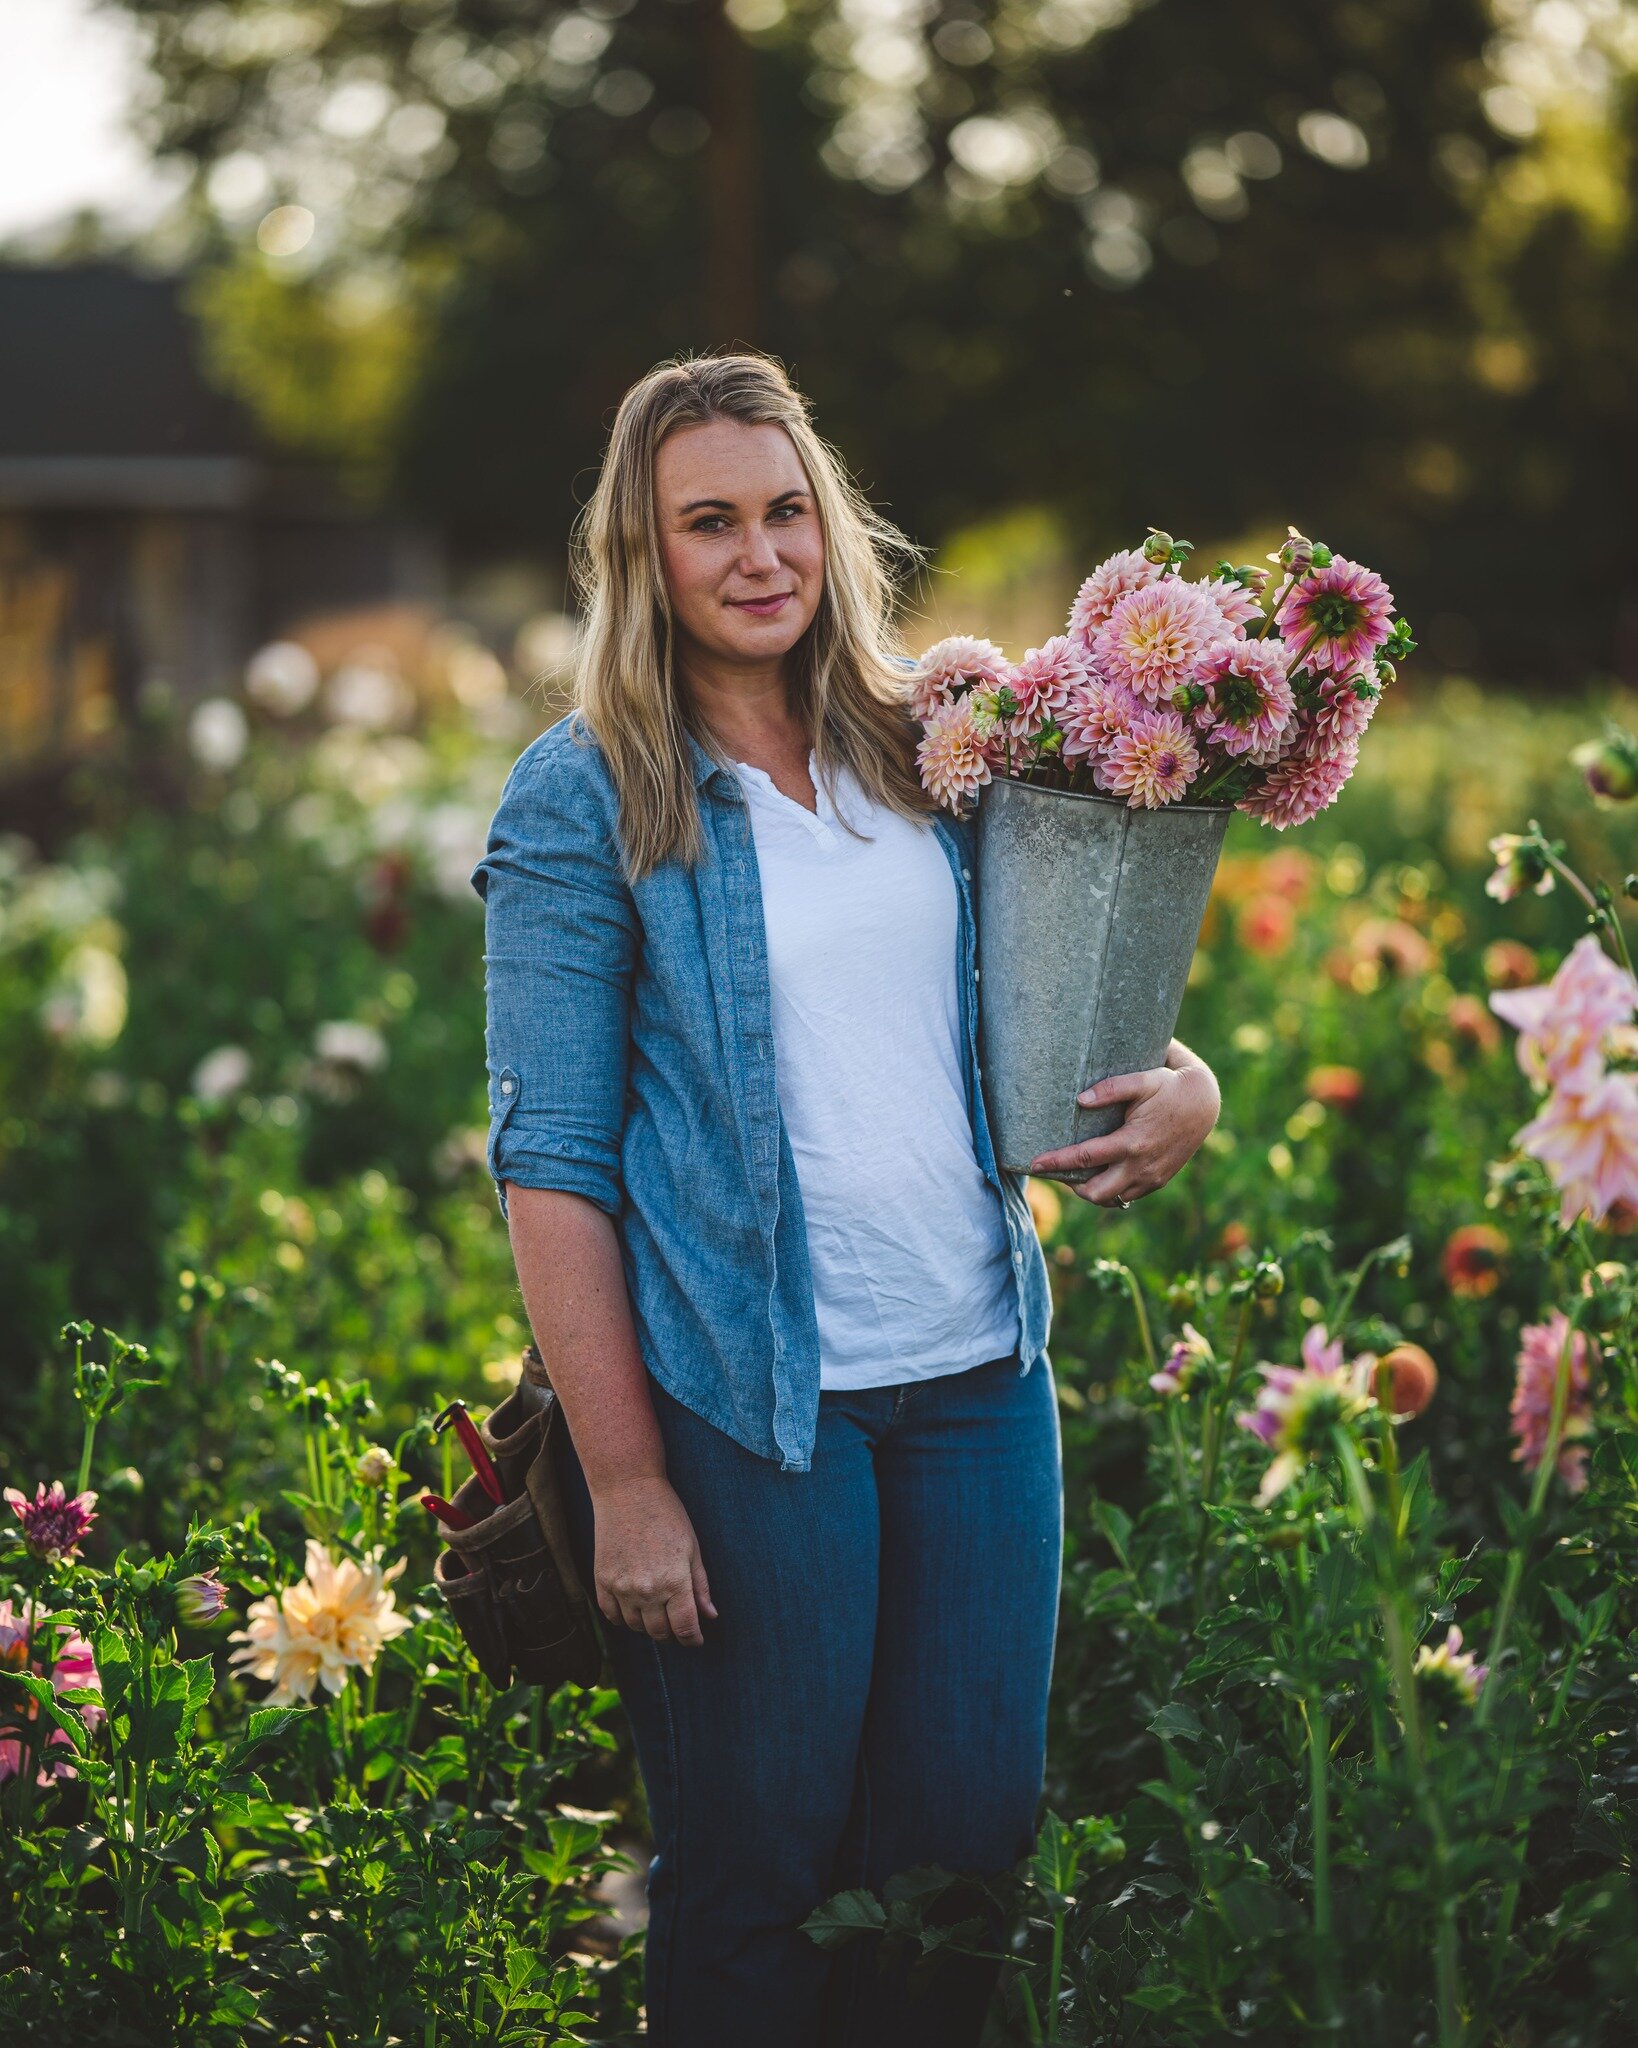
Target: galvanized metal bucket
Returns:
[[1088, 914]]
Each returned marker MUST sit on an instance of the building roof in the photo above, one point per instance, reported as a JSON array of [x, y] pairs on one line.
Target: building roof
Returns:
[[102, 400]]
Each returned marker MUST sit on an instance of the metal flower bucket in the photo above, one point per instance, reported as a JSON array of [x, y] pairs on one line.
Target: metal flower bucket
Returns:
[[1088, 914]]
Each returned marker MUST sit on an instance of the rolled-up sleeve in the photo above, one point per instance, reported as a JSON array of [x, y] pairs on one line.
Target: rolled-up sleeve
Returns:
[[560, 942]]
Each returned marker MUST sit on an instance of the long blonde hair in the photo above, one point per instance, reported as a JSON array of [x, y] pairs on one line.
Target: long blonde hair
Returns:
[[844, 686]]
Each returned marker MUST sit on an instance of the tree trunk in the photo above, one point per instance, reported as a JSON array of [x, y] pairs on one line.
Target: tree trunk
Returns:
[[732, 170]]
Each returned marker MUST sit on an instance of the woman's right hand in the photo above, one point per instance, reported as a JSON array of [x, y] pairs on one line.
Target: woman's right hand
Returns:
[[647, 1562]]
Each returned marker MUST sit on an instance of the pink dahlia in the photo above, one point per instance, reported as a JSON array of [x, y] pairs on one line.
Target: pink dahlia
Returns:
[[1587, 1138], [951, 755], [1297, 1409], [1103, 589], [1540, 1349], [1045, 680], [1336, 617], [1250, 705], [1344, 710], [1563, 1024], [54, 1523], [74, 1666], [952, 665], [1096, 715], [1153, 640], [1238, 605], [1298, 788], [1154, 763]]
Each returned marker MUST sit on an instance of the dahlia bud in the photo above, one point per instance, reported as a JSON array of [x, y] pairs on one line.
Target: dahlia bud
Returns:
[[373, 1466], [1408, 1377], [1610, 766], [1268, 1280], [1386, 673], [201, 1598], [1188, 697], [1251, 578], [1321, 556], [1296, 554], [1158, 547]]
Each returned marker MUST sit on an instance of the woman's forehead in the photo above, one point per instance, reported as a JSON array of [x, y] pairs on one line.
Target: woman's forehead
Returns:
[[728, 460]]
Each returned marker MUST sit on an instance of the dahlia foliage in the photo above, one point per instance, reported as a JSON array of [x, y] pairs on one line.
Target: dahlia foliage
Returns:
[[1161, 690]]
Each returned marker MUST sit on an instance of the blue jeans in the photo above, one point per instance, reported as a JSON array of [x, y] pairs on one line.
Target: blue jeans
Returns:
[[871, 1697]]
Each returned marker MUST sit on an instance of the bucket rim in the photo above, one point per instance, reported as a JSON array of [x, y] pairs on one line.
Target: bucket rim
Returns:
[[1098, 796]]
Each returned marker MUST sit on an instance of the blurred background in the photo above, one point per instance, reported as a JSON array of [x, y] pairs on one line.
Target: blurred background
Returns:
[[313, 315]]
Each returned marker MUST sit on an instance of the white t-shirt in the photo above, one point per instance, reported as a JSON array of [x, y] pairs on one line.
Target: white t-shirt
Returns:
[[912, 1273]]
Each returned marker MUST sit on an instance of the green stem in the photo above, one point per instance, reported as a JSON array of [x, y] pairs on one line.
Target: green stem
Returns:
[[1602, 913], [1384, 1547], [1518, 1556], [1136, 1291], [1054, 1975], [86, 1441], [1318, 1725], [1219, 1407]]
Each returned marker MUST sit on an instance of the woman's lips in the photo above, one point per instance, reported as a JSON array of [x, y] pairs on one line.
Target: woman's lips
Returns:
[[763, 607]]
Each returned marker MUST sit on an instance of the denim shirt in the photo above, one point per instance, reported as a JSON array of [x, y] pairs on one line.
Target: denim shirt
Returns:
[[631, 1060]]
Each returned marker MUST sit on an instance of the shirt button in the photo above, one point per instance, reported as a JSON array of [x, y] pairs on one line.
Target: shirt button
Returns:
[[978, 974], [966, 874], [506, 1087]]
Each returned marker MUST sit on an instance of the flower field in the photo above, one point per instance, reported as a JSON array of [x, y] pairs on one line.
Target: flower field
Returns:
[[1345, 1741]]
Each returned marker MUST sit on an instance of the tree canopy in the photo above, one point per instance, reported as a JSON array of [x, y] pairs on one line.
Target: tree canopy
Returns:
[[1366, 265]]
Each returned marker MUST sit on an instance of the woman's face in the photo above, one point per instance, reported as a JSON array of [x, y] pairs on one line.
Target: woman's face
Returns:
[[740, 538]]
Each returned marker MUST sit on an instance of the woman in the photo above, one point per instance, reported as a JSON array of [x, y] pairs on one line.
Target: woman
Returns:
[[795, 1314]]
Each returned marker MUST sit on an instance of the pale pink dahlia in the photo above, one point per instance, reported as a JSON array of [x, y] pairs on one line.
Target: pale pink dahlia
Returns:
[[1336, 617], [1298, 788], [73, 1666], [951, 756], [950, 666], [1237, 604], [1344, 710], [1045, 680], [1154, 763], [1563, 1025], [337, 1618], [1153, 640], [1250, 706], [1095, 716], [1103, 590], [1587, 1138], [1540, 1350], [54, 1523]]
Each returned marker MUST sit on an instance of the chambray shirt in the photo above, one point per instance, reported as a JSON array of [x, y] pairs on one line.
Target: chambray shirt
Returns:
[[631, 1060]]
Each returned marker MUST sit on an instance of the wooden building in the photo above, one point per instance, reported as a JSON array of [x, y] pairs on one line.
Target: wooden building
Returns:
[[146, 530]]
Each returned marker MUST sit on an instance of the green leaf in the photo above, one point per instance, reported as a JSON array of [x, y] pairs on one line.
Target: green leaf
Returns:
[[1176, 1723], [845, 1917]]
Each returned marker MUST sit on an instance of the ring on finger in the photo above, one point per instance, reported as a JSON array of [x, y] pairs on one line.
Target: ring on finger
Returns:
[[1123, 1201]]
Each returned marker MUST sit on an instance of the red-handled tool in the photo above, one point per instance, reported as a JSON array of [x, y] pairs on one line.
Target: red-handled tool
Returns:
[[451, 1516], [467, 1430]]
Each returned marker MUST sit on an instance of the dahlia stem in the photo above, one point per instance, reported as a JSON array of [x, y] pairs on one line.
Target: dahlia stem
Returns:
[[1519, 1554], [1602, 913], [1384, 1546], [1318, 1725]]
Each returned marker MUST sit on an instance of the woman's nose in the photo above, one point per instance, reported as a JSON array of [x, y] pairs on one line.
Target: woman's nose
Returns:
[[760, 552]]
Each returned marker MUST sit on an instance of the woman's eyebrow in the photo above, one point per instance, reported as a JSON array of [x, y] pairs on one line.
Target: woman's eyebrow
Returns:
[[727, 504]]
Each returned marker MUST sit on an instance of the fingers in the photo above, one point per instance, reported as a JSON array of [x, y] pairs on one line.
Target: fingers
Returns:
[[702, 1592], [1122, 1088], [680, 1619], [1104, 1151]]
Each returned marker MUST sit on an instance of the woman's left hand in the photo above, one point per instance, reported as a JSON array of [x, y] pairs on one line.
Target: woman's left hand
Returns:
[[1171, 1110]]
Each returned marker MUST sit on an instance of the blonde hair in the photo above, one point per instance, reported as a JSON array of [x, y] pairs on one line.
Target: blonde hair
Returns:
[[844, 685]]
